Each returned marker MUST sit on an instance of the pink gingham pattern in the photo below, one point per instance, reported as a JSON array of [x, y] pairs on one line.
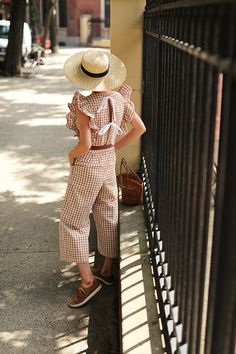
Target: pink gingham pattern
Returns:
[[92, 180], [91, 105]]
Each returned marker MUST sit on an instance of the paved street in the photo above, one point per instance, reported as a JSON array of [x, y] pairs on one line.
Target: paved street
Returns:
[[34, 284]]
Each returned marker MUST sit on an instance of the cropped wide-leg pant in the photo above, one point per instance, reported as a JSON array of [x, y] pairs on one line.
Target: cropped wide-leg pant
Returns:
[[91, 186]]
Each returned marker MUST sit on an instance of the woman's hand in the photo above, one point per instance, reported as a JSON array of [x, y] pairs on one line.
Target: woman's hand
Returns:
[[116, 147], [71, 157], [138, 128]]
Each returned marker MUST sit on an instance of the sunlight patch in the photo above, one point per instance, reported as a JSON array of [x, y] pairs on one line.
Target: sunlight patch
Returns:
[[32, 182], [37, 122], [69, 344], [17, 338], [35, 97]]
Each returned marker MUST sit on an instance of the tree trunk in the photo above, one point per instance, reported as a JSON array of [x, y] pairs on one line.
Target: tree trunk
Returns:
[[34, 20], [12, 62], [53, 32], [51, 4]]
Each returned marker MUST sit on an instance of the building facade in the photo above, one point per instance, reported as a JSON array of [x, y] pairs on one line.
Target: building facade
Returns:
[[4, 9], [80, 21]]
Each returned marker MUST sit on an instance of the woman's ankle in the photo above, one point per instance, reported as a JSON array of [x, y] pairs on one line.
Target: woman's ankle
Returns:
[[106, 272], [107, 266], [86, 283], [86, 275]]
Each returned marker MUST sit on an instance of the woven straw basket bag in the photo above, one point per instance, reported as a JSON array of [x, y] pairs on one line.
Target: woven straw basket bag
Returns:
[[130, 184]]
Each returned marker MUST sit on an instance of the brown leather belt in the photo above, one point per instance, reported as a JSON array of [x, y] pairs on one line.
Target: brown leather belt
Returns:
[[101, 147]]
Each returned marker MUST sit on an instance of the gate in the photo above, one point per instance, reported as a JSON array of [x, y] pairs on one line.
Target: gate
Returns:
[[189, 170]]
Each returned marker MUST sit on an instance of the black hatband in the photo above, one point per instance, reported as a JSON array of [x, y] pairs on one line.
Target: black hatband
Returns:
[[92, 74]]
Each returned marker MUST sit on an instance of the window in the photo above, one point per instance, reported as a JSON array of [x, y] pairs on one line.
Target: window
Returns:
[[4, 30]]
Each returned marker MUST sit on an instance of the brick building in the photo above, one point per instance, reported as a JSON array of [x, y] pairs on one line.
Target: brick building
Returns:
[[4, 9], [78, 21], [82, 18]]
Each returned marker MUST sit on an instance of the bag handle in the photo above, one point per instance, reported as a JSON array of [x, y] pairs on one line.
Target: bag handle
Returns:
[[124, 164]]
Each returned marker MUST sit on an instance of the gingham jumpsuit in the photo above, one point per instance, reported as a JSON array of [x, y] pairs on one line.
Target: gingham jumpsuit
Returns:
[[92, 180]]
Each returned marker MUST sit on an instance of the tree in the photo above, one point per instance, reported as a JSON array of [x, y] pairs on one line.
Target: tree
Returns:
[[34, 19], [53, 32], [50, 7], [12, 62]]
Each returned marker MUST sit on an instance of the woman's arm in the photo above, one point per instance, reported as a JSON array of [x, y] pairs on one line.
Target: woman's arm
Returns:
[[85, 137], [138, 128]]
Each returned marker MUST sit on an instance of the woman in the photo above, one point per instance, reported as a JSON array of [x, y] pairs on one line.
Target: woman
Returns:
[[97, 119]]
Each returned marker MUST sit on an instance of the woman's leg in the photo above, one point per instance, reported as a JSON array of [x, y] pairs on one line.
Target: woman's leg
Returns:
[[105, 212], [83, 187], [86, 274], [81, 193], [107, 266]]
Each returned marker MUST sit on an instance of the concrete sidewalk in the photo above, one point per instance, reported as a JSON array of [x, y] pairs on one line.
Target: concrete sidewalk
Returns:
[[34, 284]]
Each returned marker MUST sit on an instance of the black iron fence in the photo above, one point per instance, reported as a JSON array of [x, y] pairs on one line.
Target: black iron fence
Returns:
[[189, 170]]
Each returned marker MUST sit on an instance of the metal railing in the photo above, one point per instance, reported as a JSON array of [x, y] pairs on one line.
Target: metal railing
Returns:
[[189, 108]]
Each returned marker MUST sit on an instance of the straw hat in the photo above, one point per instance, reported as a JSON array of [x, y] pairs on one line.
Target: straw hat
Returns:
[[95, 70]]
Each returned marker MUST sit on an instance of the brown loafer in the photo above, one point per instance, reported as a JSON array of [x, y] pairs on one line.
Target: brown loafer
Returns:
[[108, 280], [83, 295]]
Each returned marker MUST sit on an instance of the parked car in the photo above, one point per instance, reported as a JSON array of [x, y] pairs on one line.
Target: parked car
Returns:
[[4, 31]]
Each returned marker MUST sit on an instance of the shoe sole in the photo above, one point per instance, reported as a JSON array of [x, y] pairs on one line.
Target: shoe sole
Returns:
[[87, 298], [102, 280]]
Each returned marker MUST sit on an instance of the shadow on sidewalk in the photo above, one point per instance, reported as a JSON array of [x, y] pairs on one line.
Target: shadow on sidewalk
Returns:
[[102, 330], [103, 327], [34, 315]]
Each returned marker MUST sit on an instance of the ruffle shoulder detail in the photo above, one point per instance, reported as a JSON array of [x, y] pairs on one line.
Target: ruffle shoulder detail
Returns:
[[71, 118], [129, 108], [84, 107], [125, 90], [82, 103]]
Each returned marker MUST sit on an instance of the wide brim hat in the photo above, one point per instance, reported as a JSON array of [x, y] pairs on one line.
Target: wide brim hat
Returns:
[[95, 70]]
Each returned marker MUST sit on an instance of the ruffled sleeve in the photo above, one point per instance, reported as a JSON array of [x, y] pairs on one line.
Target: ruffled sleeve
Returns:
[[125, 91], [85, 106], [129, 108], [72, 122], [81, 102]]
